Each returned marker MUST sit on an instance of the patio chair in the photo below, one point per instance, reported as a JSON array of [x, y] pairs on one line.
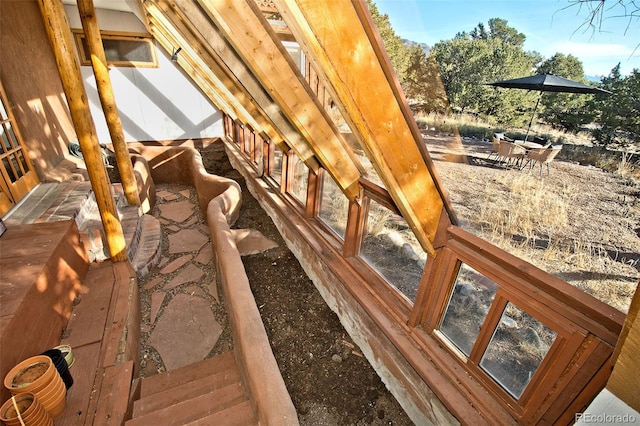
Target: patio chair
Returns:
[[511, 153], [542, 156], [495, 146]]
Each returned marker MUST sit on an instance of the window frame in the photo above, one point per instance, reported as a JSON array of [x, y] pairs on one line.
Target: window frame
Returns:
[[78, 36]]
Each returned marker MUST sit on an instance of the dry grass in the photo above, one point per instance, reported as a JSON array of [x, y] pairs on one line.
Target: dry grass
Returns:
[[578, 222], [528, 207]]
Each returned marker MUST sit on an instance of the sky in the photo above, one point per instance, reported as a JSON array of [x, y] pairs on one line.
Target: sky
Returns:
[[549, 27]]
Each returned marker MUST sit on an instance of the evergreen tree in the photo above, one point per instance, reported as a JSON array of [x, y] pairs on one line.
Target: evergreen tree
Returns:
[[565, 111], [471, 60], [619, 113]]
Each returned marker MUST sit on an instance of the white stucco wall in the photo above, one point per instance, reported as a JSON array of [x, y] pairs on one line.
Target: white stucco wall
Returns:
[[154, 103]]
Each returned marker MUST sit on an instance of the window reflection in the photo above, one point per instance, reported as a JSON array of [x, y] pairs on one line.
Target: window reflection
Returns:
[[334, 206], [390, 247], [299, 179], [276, 168], [517, 348], [468, 306]]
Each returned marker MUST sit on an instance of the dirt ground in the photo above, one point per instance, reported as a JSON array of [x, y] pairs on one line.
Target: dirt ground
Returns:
[[328, 378]]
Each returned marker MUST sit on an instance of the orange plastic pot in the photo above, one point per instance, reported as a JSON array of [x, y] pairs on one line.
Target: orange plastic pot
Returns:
[[32, 413], [39, 376]]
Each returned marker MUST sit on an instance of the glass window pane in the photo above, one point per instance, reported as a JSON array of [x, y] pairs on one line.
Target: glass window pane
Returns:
[[11, 136], [334, 206], [299, 180], [468, 306], [9, 170], [276, 168], [5, 145], [118, 50], [390, 247], [517, 348]]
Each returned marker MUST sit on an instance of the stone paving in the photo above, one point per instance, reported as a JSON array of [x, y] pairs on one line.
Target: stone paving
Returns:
[[183, 316]]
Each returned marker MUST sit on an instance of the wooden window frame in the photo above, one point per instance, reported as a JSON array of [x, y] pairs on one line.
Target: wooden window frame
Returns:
[[572, 340], [78, 36], [575, 365]]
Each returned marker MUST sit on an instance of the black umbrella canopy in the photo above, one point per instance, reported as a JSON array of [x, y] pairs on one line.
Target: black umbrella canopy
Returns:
[[548, 83]]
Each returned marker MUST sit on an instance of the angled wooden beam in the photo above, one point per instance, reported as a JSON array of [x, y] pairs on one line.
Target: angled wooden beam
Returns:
[[108, 100], [248, 32], [213, 87], [193, 32], [342, 43], [57, 27]]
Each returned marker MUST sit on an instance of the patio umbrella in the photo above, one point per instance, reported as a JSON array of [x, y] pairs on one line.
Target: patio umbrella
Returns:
[[547, 83]]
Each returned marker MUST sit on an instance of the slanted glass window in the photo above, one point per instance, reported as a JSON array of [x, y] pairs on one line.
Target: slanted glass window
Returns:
[[121, 49], [390, 247], [467, 309], [296, 54], [518, 346], [275, 169], [298, 179], [334, 206]]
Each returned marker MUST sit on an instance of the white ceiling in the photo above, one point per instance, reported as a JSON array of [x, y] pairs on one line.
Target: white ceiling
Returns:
[[120, 5]]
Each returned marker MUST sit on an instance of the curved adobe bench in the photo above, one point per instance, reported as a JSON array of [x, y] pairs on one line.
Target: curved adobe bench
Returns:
[[220, 200]]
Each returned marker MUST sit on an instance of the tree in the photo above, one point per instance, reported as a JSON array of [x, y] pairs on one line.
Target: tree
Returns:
[[423, 86], [599, 11], [399, 54], [498, 30], [565, 111], [471, 60], [619, 113]]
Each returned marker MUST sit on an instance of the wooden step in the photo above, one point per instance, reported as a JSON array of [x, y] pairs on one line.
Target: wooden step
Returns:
[[237, 415], [187, 374], [176, 393], [205, 393], [194, 408]]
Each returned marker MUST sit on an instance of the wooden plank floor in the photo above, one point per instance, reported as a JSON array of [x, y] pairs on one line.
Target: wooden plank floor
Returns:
[[101, 390]]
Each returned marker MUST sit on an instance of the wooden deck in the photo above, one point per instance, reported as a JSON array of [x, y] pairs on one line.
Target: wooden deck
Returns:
[[103, 332]]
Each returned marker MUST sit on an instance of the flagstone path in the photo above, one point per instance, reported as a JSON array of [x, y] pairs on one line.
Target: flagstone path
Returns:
[[183, 316]]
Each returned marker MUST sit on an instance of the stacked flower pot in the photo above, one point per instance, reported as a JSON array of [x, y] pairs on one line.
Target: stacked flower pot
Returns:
[[39, 388]]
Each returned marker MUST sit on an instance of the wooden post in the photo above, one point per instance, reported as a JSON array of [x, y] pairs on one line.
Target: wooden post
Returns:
[[57, 27], [107, 99]]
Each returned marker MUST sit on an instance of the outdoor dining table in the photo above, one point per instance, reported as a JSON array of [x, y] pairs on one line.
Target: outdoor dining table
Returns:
[[528, 144]]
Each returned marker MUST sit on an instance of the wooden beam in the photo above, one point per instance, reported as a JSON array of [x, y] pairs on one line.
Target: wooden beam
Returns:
[[108, 100], [57, 27], [203, 44], [342, 43], [222, 53], [211, 86], [624, 379], [248, 32]]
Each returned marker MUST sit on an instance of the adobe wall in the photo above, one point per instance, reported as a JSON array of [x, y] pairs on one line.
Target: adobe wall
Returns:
[[30, 77]]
